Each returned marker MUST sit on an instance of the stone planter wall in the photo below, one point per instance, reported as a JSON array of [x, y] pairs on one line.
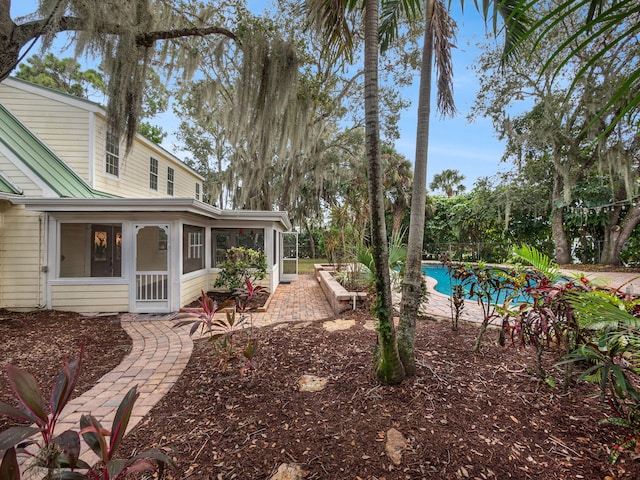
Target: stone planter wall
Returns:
[[338, 297]]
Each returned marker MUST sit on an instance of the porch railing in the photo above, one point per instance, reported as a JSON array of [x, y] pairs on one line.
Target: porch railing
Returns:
[[152, 286]]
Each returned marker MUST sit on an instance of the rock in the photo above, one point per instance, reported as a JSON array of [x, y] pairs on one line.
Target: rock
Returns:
[[287, 471], [395, 445], [311, 383], [369, 325], [339, 324], [300, 325]]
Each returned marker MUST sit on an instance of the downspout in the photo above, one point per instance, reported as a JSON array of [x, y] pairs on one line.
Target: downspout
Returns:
[[42, 260]]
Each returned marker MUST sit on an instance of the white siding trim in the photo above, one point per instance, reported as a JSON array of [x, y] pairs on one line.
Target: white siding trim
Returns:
[[92, 150]]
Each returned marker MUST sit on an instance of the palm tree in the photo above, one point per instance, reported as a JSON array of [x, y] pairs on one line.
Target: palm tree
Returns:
[[331, 16], [449, 181], [438, 35], [397, 185]]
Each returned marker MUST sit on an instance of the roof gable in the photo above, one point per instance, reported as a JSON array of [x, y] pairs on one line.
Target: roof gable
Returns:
[[7, 187], [41, 160]]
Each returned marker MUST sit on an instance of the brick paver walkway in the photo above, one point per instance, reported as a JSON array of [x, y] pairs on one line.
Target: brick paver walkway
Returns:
[[302, 300]]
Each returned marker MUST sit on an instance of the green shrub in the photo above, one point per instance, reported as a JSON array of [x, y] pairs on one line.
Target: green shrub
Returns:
[[241, 264]]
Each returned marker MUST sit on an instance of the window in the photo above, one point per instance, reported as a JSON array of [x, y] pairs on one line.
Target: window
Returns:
[[195, 245], [192, 248], [222, 239], [153, 173], [197, 191], [170, 178], [112, 155], [90, 250]]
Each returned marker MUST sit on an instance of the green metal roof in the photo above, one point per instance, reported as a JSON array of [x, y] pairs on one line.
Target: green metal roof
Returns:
[[42, 161], [7, 187]]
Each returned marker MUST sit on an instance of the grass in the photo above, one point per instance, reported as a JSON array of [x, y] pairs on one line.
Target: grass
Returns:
[[305, 265]]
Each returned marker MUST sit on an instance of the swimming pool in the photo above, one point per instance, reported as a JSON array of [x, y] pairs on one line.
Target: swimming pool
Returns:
[[444, 283]]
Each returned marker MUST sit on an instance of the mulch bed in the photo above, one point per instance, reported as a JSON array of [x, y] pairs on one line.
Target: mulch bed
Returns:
[[220, 297], [39, 341], [464, 415]]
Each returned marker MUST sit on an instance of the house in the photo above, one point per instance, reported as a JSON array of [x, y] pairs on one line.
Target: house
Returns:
[[87, 228]]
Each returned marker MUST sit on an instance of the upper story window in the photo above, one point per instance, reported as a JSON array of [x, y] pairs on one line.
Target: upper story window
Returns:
[[197, 191], [112, 155], [170, 180], [153, 173]]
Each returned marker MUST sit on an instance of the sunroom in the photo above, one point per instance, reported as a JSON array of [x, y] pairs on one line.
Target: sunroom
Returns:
[[149, 255]]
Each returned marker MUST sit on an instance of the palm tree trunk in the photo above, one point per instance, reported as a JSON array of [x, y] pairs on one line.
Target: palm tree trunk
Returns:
[[412, 282], [389, 369]]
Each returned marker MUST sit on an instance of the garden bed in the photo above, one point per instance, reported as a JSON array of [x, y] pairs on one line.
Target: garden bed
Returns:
[[338, 297], [260, 303]]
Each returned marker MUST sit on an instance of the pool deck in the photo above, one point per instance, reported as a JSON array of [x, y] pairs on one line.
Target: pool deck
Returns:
[[439, 305]]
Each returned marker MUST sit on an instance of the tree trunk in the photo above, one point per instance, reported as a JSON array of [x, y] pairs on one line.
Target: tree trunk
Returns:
[[312, 242], [617, 235], [389, 369], [397, 215], [560, 240], [12, 39], [412, 281]]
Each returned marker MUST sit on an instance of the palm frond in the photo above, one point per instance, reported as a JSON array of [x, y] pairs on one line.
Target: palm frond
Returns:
[[444, 33], [516, 16], [596, 311], [390, 16], [331, 19], [539, 261], [602, 19]]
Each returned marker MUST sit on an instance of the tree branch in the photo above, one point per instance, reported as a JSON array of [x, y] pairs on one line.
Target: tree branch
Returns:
[[147, 39], [30, 30]]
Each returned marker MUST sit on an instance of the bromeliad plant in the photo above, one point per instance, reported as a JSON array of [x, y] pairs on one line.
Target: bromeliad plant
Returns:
[[59, 455]]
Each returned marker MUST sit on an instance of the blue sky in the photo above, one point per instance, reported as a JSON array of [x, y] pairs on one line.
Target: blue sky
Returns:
[[471, 148]]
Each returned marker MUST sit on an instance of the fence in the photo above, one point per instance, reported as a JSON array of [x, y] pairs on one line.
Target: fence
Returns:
[[475, 252], [589, 251]]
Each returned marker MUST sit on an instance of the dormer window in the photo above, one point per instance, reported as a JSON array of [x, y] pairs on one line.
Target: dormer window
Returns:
[[112, 155], [197, 191]]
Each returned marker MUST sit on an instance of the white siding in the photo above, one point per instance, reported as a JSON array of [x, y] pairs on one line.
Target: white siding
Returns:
[[190, 289], [112, 298], [63, 128], [21, 281], [133, 181]]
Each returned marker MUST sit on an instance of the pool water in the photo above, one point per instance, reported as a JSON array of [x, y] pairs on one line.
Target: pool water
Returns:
[[444, 283]]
